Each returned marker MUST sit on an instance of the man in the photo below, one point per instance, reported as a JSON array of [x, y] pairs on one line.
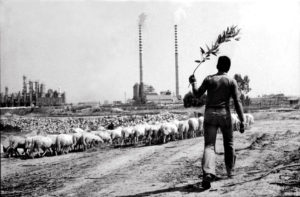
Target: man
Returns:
[[217, 115], [111, 126]]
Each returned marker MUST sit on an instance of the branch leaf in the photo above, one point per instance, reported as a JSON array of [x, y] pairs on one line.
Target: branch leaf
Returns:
[[202, 51], [207, 47], [227, 35]]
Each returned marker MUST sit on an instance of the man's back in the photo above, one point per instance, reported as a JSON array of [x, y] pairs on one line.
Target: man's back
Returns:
[[219, 90]]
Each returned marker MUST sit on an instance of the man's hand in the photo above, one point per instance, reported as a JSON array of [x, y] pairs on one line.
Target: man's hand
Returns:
[[242, 127], [192, 79]]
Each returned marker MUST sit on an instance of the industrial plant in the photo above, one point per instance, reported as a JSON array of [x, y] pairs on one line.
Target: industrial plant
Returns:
[[36, 95], [143, 93]]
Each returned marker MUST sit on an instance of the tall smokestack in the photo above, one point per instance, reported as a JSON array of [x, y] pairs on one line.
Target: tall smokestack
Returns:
[[142, 18], [30, 87], [24, 91], [30, 83], [24, 85], [37, 88], [42, 90], [176, 63], [6, 91], [141, 62], [6, 97]]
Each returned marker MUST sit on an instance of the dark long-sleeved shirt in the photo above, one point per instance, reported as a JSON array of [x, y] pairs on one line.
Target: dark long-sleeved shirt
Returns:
[[219, 89]]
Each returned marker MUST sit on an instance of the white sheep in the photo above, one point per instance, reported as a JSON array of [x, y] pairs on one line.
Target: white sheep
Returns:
[[116, 135], [40, 143], [249, 120], [89, 139], [53, 145], [76, 140], [194, 126], [183, 128], [139, 132], [235, 122], [64, 143], [105, 136], [127, 134], [168, 131], [201, 123], [151, 135], [15, 143]]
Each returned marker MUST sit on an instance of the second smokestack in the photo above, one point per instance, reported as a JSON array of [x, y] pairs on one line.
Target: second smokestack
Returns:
[[141, 92], [176, 63]]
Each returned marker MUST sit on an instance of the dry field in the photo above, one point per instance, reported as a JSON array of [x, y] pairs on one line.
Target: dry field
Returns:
[[268, 164]]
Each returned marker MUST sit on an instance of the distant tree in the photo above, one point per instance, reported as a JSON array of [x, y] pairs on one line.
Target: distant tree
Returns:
[[244, 87], [190, 100], [247, 101]]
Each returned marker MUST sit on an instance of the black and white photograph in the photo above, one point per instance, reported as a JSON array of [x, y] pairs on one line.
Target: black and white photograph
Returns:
[[136, 98]]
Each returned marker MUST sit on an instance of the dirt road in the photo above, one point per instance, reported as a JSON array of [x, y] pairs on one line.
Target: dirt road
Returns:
[[172, 169]]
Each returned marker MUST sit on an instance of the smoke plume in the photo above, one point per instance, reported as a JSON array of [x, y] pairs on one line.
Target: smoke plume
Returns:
[[179, 15], [142, 18]]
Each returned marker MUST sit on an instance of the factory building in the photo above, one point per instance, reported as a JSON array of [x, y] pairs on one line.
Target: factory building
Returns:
[[147, 90], [136, 91], [32, 93], [163, 98], [151, 96], [275, 100]]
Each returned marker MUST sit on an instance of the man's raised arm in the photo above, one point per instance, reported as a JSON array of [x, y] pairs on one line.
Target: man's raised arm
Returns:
[[202, 89]]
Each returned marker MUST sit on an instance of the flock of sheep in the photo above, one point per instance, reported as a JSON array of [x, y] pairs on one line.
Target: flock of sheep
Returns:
[[78, 139], [59, 124]]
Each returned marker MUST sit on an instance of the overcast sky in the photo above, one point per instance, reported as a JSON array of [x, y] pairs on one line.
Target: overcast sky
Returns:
[[90, 48]]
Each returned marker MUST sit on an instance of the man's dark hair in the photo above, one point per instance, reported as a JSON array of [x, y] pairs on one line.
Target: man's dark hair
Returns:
[[223, 64]]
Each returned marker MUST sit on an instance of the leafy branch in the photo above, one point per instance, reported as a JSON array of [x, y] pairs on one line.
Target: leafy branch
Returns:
[[226, 36]]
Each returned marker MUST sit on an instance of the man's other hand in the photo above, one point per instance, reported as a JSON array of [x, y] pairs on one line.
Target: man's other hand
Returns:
[[192, 79], [242, 127]]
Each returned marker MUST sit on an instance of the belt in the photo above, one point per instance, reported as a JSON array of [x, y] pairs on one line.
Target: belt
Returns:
[[217, 107]]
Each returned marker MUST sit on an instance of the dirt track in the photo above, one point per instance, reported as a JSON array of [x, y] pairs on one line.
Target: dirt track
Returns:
[[165, 170]]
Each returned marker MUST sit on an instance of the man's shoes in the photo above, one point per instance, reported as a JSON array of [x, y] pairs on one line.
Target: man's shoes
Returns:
[[230, 173], [206, 184], [207, 179]]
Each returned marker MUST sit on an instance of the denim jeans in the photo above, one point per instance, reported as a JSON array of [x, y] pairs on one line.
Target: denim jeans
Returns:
[[215, 119]]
